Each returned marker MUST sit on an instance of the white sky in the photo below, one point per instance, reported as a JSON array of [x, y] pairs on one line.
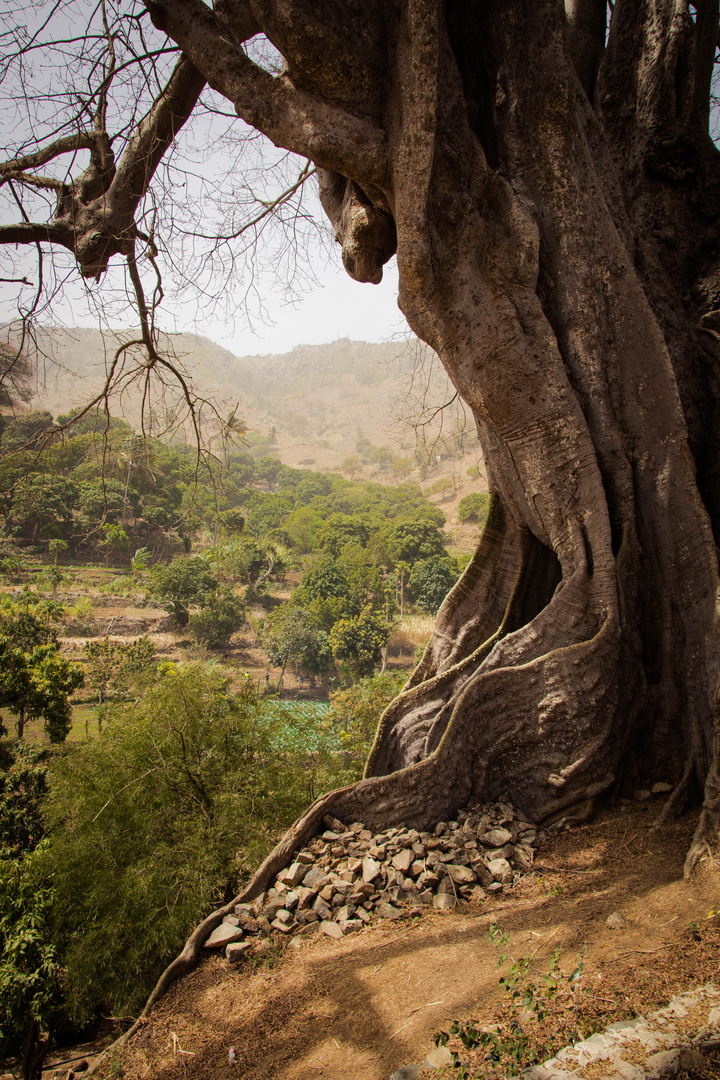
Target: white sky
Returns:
[[336, 307]]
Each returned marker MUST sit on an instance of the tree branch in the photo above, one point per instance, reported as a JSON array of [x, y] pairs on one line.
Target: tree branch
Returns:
[[290, 117], [70, 144], [28, 232]]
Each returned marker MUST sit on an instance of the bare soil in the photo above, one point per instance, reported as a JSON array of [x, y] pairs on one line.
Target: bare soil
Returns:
[[361, 1007]]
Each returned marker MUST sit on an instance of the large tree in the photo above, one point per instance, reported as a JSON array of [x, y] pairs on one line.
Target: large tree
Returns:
[[545, 174]]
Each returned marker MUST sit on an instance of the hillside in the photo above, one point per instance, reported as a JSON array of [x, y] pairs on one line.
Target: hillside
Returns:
[[309, 407]]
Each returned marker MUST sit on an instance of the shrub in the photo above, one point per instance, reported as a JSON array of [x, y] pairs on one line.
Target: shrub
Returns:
[[181, 794], [214, 625], [474, 507], [430, 583]]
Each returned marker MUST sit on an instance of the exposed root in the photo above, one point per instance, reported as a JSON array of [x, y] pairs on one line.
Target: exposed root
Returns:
[[674, 796]]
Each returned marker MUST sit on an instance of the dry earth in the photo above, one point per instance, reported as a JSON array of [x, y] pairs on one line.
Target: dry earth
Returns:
[[364, 1006]]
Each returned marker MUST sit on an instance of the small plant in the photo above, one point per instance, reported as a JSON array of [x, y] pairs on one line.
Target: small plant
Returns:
[[518, 1042]]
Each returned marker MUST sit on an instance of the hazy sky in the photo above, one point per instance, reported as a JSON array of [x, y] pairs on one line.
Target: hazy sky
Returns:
[[337, 307]]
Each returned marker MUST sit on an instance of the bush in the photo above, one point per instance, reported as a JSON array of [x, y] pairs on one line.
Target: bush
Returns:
[[359, 641], [151, 823], [182, 583], [355, 712], [474, 507], [430, 582], [214, 625]]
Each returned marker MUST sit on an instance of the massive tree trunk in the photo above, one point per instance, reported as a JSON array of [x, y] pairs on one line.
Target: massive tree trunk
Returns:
[[553, 196]]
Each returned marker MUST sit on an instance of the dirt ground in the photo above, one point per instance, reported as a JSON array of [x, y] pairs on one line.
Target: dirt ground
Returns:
[[361, 1007]]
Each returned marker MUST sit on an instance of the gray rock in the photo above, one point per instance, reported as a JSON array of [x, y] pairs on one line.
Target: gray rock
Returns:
[[316, 878], [438, 1058], [281, 925], [308, 929], [350, 926], [403, 860], [370, 869], [388, 911], [616, 921], [222, 935], [496, 838], [272, 907], [501, 870], [443, 901], [407, 1072], [461, 875], [233, 920], [661, 788], [322, 909], [332, 929], [237, 950], [293, 875]]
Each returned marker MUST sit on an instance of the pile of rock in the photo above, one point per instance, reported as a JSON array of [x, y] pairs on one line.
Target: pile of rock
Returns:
[[347, 875]]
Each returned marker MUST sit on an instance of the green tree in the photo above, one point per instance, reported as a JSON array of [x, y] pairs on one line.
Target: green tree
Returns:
[[474, 507], [215, 623], [294, 635], [415, 540], [36, 685], [355, 711], [430, 582], [184, 583], [358, 642], [113, 666]]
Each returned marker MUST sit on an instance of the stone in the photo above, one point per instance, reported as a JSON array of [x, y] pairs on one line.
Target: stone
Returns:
[[403, 860], [333, 823], [496, 838], [616, 921], [641, 794], [501, 870], [284, 916], [438, 1058], [350, 926], [316, 878], [461, 875], [407, 1072], [661, 788], [233, 920], [495, 887], [443, 901], [417, 868], [237, 950], [264, 925], [293, 875], [477, 894], [332, 929], [388, 911], [308, 929], [322, 909], [305, 897], [272, 907], [523, 857], [291, 900], [282, 926], [370, 869], [222, 935], [363, 915], [243, 910], [346, 912], [305, 857], [250, 926]]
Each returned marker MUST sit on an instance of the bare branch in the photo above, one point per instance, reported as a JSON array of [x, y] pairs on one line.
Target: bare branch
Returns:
[[291, 117]]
